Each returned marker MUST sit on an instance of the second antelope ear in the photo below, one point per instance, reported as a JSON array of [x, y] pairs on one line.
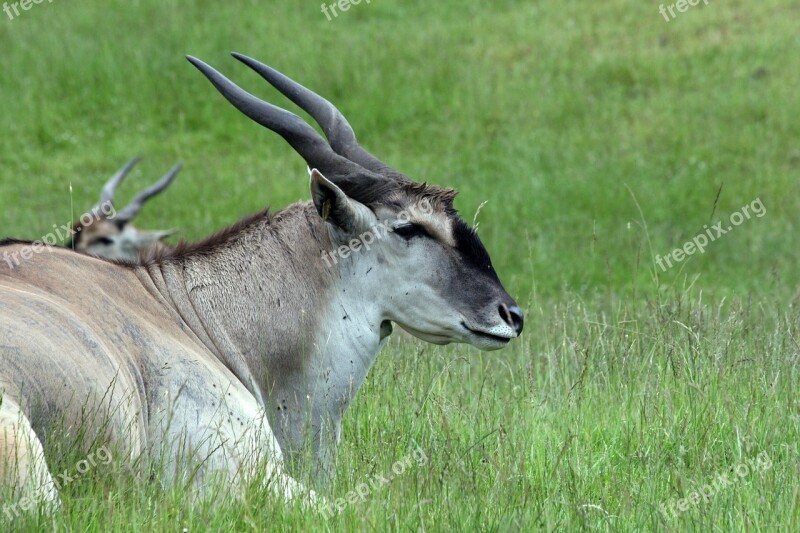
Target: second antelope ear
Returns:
[[334, 206], [149, 238]]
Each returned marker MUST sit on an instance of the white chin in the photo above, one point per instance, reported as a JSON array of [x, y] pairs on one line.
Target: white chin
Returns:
[[428, 337], [487, 345]]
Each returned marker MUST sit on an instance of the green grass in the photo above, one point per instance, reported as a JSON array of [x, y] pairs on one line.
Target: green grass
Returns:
[[598, 134]]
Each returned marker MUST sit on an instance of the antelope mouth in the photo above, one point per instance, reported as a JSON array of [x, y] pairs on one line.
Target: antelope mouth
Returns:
[[486, 335]]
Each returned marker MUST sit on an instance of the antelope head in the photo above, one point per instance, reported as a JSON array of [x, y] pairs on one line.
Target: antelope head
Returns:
[[423, 264], [107, 233]]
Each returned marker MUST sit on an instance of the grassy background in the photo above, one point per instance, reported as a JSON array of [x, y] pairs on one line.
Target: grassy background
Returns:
[[630, 385]]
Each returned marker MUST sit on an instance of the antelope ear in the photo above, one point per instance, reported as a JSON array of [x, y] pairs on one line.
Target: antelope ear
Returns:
[[333, 205], [149, 238]]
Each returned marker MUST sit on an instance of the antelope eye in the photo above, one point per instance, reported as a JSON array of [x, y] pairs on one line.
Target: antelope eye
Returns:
[[103, 240], [409, 231]]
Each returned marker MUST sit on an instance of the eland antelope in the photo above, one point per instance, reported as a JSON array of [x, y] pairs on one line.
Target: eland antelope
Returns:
[[109, 234], [246, 347]]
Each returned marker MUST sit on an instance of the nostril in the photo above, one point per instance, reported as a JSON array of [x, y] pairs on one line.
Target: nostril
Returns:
[[517, 318], [512, 316]]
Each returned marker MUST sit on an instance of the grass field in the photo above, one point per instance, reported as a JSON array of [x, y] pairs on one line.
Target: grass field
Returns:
[[599, 135]]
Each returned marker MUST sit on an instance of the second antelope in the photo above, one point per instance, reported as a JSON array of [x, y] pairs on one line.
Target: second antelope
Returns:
[[230, 354], [106, 233]]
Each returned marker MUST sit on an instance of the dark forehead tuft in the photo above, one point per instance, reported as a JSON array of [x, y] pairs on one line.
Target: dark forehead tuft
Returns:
[[397, 194], [470, 247], [440, 196]]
